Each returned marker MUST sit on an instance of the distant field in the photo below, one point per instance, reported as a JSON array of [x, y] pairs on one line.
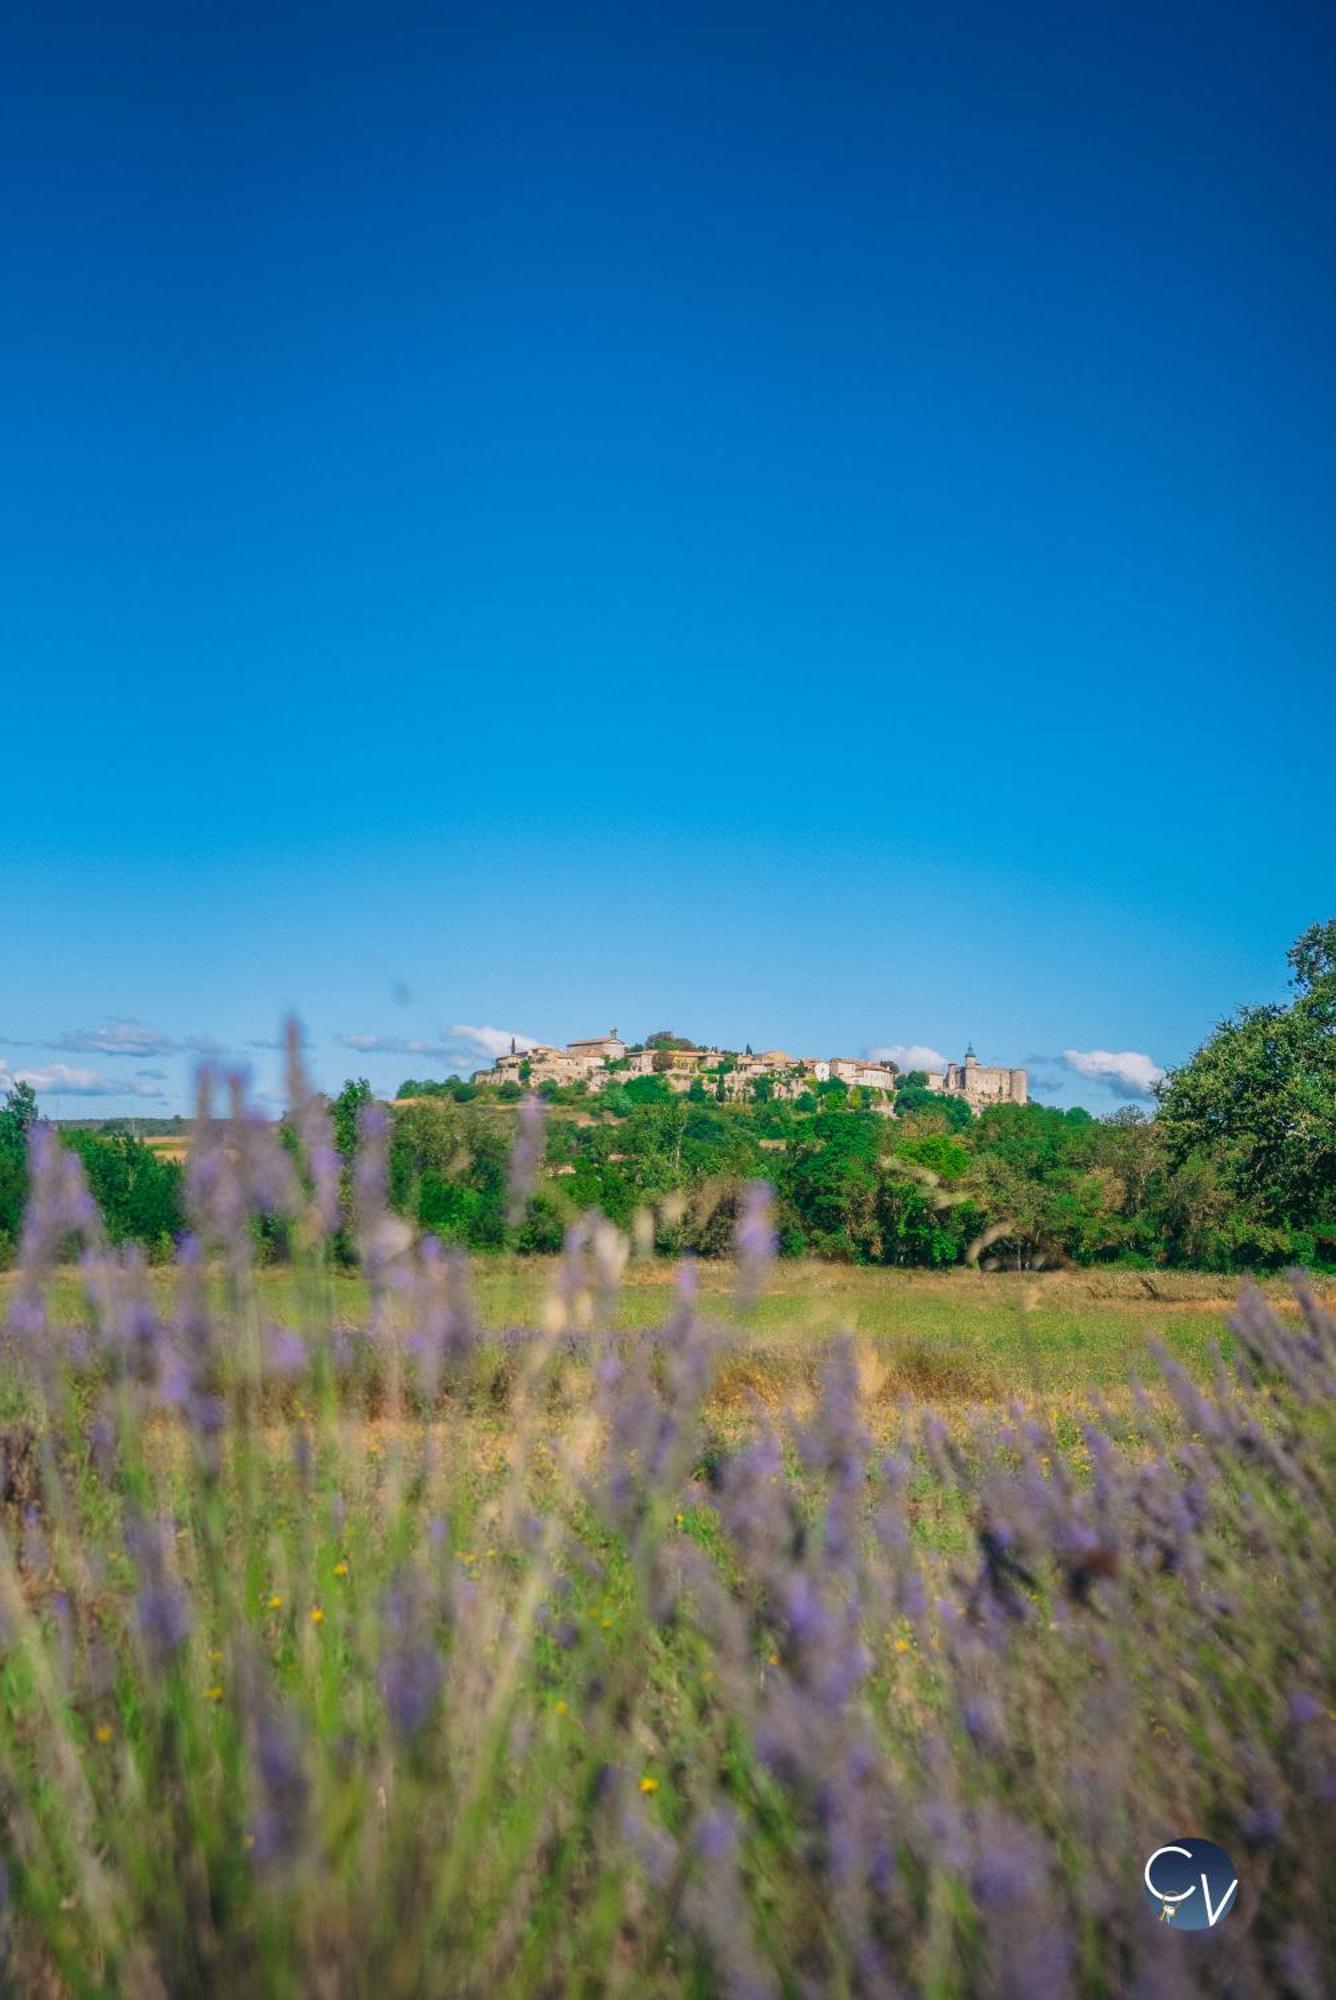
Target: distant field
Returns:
[[952, 1337]]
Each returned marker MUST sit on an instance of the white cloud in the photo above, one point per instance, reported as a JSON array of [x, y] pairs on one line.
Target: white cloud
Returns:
[[459, 1047], [117, 1038], [909, 1055], [122, 1038], [393, 1045], [67, 1080], [491, 1041], [1125, 1072]]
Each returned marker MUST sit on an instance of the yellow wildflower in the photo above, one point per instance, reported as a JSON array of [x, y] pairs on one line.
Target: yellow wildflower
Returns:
[[104, 1732], [648, 1785], [214, 1693], [902, 1645], [275, 1602], [340, 1569], [317, 1616], [560, 1707]]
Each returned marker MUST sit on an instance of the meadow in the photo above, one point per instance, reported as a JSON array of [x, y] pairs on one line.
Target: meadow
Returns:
[[592, 1626], [942, 1337]]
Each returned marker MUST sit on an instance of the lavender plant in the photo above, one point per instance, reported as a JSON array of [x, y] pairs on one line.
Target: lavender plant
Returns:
[[408, 1658]]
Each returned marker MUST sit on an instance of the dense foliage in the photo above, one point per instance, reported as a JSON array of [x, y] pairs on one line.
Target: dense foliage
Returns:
[[1237, 1169], [1251, 1120], [1019, 1185], [395, 1658], [137, 1189]]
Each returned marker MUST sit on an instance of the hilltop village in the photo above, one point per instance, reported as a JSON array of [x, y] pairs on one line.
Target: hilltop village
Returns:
[[602, 1060]]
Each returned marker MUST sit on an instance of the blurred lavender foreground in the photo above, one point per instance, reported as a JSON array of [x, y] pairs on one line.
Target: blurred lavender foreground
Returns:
[[400, 1658]]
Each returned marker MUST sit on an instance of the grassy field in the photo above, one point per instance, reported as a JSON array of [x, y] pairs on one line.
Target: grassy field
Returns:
[[356, 1641], [951, 1337]]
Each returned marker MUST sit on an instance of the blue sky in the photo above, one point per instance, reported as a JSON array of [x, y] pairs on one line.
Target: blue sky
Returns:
[[809, 526]]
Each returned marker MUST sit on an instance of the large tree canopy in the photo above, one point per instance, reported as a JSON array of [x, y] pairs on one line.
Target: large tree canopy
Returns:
[[1260, 1096]]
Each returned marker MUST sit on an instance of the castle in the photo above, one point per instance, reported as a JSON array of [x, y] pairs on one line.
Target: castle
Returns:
[[980, 1084], [598, 1061]]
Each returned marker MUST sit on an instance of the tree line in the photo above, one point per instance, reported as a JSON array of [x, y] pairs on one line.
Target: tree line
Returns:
[[1235, 1169]]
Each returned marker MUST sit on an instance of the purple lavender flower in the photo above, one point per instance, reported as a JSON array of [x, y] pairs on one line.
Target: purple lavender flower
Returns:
[[281, 1781], [1261, 1825], [165, 1619], [526, 1157], [382, 1237], [284, 1352], [102, 1446], [311, 1121], [717, 1910], [755, 1241], [411, 1668], [163, 1610]]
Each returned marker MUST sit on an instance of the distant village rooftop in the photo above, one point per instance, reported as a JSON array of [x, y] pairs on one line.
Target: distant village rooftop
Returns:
[[600, 1061]]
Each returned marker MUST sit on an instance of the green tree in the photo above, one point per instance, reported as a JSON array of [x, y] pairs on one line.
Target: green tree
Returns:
[[648, 1090], [1312, 963], [345, 1111], [1258, 1099], [18, 1114], [913, 1100], [446, 1208], [426, 1135], [829, 1182], [137, 1191]]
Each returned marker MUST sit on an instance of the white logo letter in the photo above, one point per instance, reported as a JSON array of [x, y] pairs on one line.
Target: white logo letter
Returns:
[[1160, 1892], [1212, 1915]]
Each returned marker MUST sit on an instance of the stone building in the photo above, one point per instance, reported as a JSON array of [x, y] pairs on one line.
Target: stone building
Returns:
[[870, 1075], [598, 1048], [576, 1063], [530, 1067], [981, 1084], [677, 1066], [600, 1060]]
